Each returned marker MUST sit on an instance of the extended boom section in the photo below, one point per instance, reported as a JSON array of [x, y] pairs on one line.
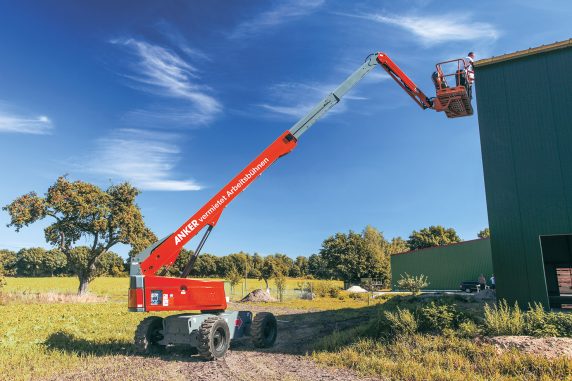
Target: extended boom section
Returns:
[[150, 291], [211, 331]]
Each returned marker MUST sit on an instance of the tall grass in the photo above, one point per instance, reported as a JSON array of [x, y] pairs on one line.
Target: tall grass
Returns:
[[435, 342], [436, 357], [502, 320]]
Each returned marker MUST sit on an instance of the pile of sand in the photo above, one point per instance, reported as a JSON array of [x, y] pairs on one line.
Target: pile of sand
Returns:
[[258, 296], [544, 346], [356, 289]]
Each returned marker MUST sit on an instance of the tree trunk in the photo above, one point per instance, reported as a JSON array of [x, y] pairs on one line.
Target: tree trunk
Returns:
[[267, 287], [83, 283]]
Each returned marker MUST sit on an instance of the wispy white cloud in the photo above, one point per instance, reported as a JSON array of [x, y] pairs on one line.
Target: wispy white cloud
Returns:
[[295, 99], [437, 29], [284, 12], [180, 43], [12, 121], [161, 71], [144, 158]]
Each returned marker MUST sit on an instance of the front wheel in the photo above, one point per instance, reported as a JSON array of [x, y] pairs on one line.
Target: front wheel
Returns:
[[264, 330], [148, 334], [214, 338]]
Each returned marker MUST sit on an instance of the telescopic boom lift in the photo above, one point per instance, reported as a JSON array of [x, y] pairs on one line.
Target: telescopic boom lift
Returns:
[[211, 330]]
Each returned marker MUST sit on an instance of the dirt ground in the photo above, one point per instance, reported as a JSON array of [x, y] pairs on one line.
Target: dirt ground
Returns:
[[549, 347], [285, 361]]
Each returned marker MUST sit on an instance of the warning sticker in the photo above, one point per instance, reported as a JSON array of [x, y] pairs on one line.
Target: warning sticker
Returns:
[[165, 300]]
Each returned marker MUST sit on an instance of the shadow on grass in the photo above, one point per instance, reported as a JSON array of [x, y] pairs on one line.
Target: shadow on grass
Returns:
[[67, 342], [298, 333]]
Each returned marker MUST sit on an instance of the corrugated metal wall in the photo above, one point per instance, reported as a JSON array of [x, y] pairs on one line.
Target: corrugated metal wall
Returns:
[[525, 122], [445, 266]]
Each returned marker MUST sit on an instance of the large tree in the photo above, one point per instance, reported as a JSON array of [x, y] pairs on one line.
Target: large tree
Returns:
[[84, 212], [353, 256], [300, 267], [267, 270], [31, 261], [432, 236], [317, 267], [8, 262], [375, 252], [397, 245]]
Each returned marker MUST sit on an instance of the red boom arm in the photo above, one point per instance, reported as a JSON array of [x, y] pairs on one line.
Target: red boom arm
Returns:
[[148, 291], [166, 253], [404, 81]]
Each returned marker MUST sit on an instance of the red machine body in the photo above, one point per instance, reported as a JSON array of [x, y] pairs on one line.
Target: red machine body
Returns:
[[189, 294], [149, 291]]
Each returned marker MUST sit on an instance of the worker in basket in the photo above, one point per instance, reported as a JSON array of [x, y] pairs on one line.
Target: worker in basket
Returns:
[[463, 77], [466, 77]]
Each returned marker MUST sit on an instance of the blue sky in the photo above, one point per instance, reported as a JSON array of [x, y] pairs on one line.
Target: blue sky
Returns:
[[177, 97]]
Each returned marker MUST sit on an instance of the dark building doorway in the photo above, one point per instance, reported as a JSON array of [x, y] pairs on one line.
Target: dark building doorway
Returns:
[[557, 257]]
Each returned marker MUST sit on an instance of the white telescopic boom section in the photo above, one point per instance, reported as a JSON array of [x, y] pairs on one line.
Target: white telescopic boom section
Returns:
[[332, 99]]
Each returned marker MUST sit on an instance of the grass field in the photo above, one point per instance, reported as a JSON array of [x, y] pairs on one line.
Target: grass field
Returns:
[[43, 339]]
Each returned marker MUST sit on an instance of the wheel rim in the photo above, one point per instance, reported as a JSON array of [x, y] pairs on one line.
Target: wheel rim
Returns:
[[219, 339]]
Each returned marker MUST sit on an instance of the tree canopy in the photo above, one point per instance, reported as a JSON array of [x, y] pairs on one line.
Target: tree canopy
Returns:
[[353, 255], [432, 236], [83, 211], [485, 233]]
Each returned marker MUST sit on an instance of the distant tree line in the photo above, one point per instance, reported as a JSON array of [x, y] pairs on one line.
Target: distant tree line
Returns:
[[80, 212], [346, 256], [39, 262]]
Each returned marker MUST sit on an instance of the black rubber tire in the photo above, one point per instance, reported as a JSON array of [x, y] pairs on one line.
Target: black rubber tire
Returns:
[[264, 330], [148, 334], [214, 338]]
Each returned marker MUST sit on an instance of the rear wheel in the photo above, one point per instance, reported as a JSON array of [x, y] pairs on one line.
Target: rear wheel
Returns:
[[148, 334], [264, 330], [214, 338]]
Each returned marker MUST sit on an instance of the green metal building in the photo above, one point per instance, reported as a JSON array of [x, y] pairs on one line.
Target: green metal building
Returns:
[[445, 266], [524, 104]]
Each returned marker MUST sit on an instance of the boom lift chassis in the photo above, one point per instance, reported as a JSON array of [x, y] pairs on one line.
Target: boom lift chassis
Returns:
[[211, 331]]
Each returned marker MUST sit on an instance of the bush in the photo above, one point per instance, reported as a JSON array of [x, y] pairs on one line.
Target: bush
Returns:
[[562, 322], [280, 282], [324, 289], [468, 329], [536, 322], [503, 320], [397, 324], [436, 318], [412, 284], [359, 296]]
